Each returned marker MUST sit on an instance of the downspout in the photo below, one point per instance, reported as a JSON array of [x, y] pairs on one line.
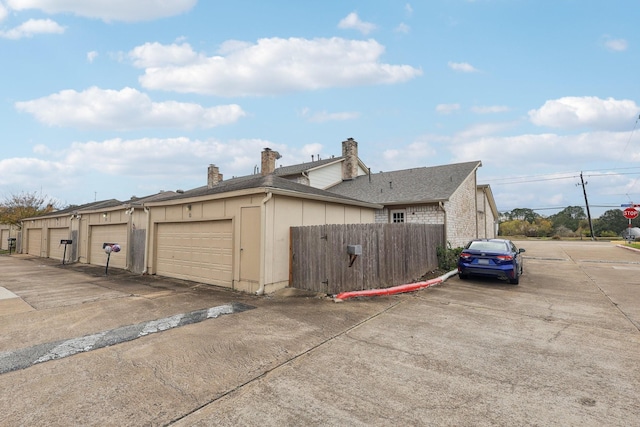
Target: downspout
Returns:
[[446, 237], [129, 212], [263, 241], [146, 241]]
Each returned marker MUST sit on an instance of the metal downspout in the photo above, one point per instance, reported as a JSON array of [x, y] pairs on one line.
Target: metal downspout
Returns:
[[147, 238], [263, 242], [446, 237]]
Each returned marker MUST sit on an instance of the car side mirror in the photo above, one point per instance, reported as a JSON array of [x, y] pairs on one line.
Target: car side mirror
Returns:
[[521, 250]]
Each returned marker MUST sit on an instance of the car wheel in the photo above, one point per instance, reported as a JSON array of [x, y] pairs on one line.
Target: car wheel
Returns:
[[463, 276], [515, 281]]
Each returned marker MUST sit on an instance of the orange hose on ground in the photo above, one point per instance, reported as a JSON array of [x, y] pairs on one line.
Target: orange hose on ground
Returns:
[[410, 287]]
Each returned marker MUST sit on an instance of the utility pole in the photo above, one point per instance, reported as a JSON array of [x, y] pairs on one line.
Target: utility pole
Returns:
[[586, 202]]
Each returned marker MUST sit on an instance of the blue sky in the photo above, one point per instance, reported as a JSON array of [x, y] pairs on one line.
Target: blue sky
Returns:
[[109, 99]]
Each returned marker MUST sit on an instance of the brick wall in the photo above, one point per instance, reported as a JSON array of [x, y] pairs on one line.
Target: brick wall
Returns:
[[419, 214], [486, 219], [462, 213]]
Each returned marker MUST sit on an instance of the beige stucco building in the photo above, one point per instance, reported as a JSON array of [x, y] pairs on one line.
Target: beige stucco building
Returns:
[[231, 233], [235, 233]]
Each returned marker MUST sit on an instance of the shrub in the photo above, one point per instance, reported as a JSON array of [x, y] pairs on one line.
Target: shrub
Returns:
[[608, 234], [448, 257]]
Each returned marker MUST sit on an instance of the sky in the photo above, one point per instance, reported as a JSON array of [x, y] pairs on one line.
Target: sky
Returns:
[[109, 99]]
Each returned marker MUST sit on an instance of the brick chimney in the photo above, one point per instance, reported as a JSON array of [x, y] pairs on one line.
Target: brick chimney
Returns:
[[213, 176], [269, 158], [350, 154]]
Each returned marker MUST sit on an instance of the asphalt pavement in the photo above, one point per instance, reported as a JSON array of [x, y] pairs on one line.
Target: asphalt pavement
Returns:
[[561, 348]]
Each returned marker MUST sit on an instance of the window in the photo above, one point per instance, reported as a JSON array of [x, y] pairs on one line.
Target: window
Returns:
[[397, 216]]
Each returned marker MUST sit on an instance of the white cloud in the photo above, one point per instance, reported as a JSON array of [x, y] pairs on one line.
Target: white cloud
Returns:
[[588, 111], [3, 12], [170, 159], [447, 108], [462, 67], [91, 56], [415, 154], [408, 8], [323, 116], [27, 173], [33, 27], [403, 28], [270, 66], [615, 45], [108, 10], [125, 109], [154, 55], [490, 109], [534, 150], [352, 21]]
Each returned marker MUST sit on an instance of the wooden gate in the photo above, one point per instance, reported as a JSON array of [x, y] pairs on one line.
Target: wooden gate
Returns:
[[392, 254]]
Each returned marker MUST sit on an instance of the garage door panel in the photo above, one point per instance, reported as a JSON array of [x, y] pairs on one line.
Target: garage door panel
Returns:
[[56, 250], [115, 233], [34, 241], [198, 251]]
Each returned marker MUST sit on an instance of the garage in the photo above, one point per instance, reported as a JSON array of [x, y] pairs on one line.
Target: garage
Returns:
[[4, 235], [34, 241], [101, 234], [56, 250], [198, 251]]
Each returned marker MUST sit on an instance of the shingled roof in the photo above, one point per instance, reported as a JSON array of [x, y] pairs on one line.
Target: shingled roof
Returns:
[[267, 182], [303, 167], [417, 185]]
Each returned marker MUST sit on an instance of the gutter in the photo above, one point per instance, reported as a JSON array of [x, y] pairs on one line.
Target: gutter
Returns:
[[263, 241]]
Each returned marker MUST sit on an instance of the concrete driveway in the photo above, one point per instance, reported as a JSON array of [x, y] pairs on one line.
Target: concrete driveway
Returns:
[[561, 348]]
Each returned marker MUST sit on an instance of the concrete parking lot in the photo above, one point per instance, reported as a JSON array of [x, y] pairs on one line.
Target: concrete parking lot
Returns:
[[561, 348]]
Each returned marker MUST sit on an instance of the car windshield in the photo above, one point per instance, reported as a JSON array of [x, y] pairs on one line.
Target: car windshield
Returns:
[[488, 246]]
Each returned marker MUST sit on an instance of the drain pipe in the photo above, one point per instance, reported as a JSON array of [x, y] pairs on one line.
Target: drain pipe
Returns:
[[147, 238], [441, 205], [263, 244]]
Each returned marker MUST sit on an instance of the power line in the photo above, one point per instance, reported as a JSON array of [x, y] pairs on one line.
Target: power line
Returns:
[[594, 175]]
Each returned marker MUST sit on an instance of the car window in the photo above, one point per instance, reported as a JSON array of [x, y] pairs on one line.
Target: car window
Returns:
[[488, 246]]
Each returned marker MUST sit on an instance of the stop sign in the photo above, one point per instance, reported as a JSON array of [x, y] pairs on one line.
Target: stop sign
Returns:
[[630, 213]]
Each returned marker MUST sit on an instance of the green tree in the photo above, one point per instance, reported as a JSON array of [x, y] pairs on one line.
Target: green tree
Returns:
[[16, 207], [569, 217], [523, 214], [613, 221]]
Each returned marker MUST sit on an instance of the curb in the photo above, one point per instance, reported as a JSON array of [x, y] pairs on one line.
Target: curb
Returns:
[[628, 248], [409, 287]]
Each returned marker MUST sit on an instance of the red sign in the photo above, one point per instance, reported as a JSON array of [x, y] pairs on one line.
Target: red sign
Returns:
[[630, 213]]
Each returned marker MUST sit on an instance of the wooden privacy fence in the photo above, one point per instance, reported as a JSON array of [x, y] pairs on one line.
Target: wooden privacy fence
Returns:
[[392, 254]]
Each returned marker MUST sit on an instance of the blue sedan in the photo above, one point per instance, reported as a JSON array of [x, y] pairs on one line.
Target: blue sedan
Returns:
[[491, 258]]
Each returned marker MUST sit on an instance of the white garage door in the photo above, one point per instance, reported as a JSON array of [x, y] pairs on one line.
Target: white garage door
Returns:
[[56, 250], [101, 234], [34, 241], [198, 251], [4, 235]]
